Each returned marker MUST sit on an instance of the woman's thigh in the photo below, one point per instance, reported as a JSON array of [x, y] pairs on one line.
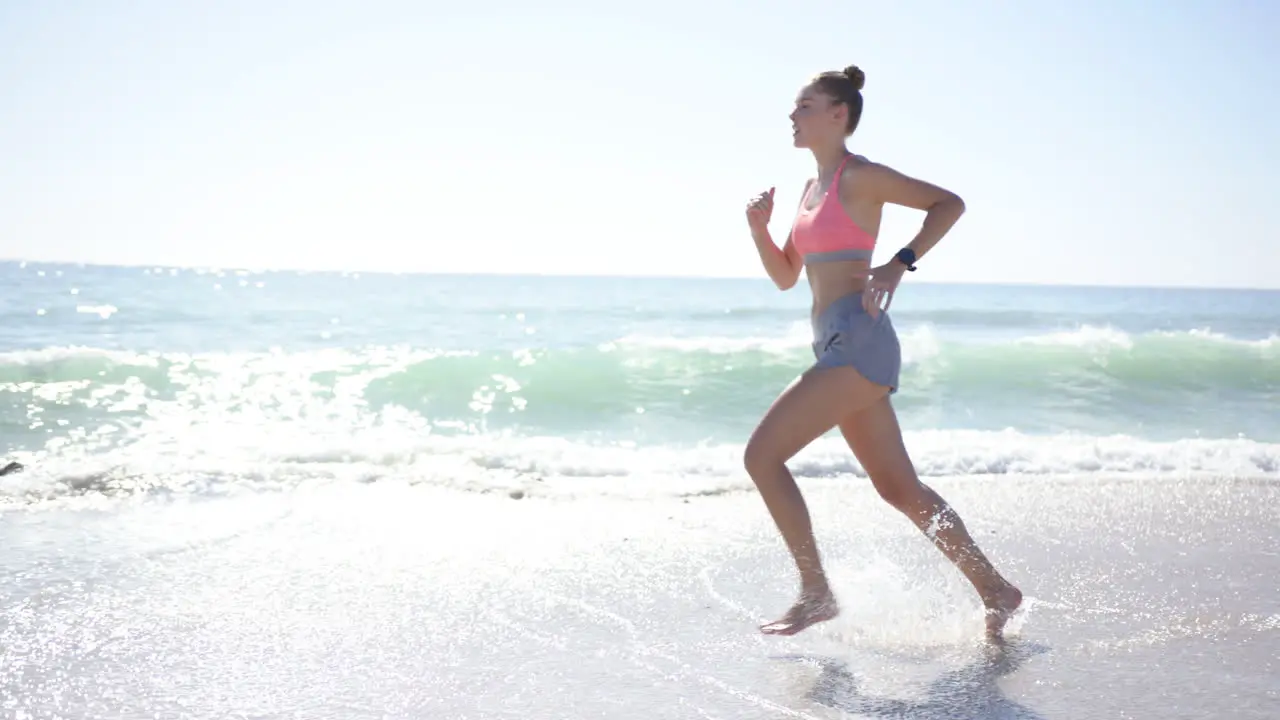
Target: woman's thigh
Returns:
[[813, 404]]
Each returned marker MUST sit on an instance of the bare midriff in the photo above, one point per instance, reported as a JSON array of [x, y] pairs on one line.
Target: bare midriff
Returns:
[[830, 281]]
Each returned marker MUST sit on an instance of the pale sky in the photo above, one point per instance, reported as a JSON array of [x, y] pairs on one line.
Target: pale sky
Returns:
[[1102, 142]]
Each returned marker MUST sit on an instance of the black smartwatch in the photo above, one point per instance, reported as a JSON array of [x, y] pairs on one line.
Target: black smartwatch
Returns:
[[907, 257]]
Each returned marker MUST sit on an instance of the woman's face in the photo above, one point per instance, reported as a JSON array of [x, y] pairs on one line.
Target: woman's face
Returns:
[[817, 119]]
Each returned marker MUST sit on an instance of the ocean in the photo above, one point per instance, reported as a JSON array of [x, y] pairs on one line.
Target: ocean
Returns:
[[361, 495]]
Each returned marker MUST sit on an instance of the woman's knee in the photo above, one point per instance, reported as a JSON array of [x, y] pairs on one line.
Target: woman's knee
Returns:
[[761, 455], [809, 407], [901, 490]]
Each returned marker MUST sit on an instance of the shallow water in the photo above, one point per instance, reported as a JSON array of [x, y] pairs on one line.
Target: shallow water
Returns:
[[1145, 599]]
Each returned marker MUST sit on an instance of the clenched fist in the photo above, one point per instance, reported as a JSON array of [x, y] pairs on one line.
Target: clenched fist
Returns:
[[759, 210]]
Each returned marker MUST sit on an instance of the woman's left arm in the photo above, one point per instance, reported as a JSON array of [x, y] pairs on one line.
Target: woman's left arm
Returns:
[[943, 209], [942, 206]]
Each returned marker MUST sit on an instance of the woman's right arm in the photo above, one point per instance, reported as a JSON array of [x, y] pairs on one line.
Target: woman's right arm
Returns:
[[782, 264]]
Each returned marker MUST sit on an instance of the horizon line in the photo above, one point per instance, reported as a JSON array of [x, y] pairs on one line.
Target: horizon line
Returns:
[[234, 268]]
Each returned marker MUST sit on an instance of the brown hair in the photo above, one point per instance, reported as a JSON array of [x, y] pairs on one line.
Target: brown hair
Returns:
[[845, 87]]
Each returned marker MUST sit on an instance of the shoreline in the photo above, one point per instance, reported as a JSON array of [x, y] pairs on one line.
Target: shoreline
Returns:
[[328, 587]]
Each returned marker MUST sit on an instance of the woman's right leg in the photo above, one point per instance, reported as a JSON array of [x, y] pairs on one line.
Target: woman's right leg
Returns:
[[816, 402]]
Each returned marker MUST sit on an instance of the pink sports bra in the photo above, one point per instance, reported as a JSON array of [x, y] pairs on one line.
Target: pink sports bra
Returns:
[[827, 233]]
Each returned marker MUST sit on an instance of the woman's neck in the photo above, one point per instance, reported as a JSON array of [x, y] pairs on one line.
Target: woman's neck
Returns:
[[829, 159]]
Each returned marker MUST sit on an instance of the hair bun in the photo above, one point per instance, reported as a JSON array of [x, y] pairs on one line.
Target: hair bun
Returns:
[[855, 74]]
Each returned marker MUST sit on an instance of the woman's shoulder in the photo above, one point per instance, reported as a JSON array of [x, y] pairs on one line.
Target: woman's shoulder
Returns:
[[867, 179], [860, 161], [865, 170], [856, 170]]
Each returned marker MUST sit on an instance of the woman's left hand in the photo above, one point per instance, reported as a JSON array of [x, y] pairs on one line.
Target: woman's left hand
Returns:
[[881, 283]]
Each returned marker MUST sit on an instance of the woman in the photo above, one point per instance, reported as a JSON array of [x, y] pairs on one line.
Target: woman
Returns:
[[855, 346]]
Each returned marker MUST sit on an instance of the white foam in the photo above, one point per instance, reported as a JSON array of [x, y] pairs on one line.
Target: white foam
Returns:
[[102, 311], [1087, 336], [918, 343], [1102, 337], [61, 354], [244, 452], [797, 335]]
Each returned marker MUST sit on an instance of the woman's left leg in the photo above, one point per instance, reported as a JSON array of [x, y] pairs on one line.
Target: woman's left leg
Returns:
[[875, 437]]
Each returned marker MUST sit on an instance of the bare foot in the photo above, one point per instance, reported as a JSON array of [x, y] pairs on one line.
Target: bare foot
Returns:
[[1000, 607], [810, 609]]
